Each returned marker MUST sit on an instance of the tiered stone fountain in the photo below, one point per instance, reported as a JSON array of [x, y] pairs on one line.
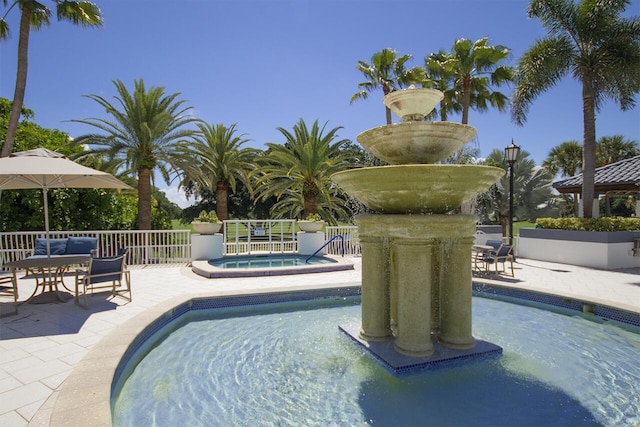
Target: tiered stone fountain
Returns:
[[416, 254]]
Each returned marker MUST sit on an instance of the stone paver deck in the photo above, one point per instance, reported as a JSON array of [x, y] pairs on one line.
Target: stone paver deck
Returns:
[[42, 345]]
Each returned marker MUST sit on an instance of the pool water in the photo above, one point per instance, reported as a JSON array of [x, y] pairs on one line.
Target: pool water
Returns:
[[268, 261], [289, 365]]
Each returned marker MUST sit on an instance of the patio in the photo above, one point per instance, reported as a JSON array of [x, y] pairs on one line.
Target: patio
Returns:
[[41, 346]]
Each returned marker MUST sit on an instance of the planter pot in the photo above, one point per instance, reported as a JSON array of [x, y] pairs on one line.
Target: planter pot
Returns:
[[311, 226], [606, 250], [206, 227]]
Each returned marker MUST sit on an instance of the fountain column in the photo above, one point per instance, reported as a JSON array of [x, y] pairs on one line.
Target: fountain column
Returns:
[[455, 290], [412, 271], [375, 289]]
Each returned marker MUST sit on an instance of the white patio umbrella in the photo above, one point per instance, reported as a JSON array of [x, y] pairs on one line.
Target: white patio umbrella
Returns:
[[44, 169]]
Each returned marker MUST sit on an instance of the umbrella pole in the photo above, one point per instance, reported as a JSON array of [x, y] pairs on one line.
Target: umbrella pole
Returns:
[[46, 219]]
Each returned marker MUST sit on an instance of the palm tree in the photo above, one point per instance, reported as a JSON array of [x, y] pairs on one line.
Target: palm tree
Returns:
[[611, 149], [474, 67], [531, 191], [565, 159], [35, 14], [142, 138], [215, 161], [439, 78], [298, 172], [590, 41], [387, 72]]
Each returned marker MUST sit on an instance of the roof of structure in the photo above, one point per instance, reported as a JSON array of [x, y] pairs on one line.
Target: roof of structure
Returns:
[[621, 177]]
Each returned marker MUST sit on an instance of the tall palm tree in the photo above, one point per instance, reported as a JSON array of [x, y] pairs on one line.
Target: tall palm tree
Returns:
[[439, 78], [142, 137], [215, 160], [299, 172], [35, 14], [387, 72], [611, 149], [475, 68], [590, 41]]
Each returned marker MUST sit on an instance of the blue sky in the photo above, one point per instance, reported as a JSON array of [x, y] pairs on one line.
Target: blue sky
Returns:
[[266, 64]]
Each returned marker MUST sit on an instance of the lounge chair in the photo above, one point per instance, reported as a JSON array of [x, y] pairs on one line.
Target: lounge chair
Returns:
[[502, 255], [104, 270]]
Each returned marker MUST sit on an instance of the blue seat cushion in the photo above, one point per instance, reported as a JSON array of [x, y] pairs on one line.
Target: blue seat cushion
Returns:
[[81, 245], [57, 246]]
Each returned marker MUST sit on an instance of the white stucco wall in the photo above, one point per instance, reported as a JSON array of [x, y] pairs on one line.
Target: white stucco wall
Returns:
[[607, 256]]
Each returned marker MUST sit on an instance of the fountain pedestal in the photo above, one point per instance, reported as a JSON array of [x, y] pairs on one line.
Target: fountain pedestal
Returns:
[[416, 280]]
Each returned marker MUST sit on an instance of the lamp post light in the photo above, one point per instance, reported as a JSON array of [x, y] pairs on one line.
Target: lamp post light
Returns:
[[511, 155]]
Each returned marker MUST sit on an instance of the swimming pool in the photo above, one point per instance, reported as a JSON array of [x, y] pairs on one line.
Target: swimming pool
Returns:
[[287, 364], [269, 265]]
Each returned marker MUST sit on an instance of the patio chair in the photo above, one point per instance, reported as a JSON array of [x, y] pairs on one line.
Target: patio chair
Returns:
[[101, 271], [9, 287], [501, 256]]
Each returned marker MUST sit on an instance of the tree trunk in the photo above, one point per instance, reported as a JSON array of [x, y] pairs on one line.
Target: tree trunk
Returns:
[[588, 149], [21, 81], [443, 111], [386, 91], [466, 99], [222, 200], [310, 204], [144, 198]]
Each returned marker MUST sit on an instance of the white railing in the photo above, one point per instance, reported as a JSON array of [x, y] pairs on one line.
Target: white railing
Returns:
[[174, 246], [145, 247], [260, 235], [349, 235]]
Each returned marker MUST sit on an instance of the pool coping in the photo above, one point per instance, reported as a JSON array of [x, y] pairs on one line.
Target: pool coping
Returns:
[[89, 386], [203, 268]]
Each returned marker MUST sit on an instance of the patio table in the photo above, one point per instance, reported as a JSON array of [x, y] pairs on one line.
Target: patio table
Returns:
[[51, 270]]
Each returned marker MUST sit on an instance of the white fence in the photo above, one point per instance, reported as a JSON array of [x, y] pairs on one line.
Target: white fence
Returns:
[[145, 247], [174, 246]]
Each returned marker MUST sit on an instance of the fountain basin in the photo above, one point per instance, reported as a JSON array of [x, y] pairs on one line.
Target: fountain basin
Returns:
[[416, 142], [416, 189], [412, 104]]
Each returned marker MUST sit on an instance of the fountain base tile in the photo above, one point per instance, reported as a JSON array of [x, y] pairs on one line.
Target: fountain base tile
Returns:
[[400, 364]]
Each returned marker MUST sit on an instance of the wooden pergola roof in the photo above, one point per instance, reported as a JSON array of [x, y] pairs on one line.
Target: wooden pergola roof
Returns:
[[622, 177]]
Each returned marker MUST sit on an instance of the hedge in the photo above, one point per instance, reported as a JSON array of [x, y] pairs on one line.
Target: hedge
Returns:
[[590, 224]]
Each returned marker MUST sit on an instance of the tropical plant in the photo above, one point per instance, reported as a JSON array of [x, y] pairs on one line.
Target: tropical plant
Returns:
[[565, 159], [611, 149], [590, 41], [441, 79], [142, 137], [35, 14], [474, 68], [214, 160], [298, 172], [313, 217], [531, 191], [205, 216], [388, 72]]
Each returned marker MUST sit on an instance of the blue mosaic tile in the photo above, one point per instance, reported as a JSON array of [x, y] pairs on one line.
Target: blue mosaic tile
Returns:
[[520, 296]]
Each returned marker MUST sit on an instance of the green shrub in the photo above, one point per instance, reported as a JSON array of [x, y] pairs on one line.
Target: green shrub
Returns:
[[313, 217], [590, 224], [207, 217]]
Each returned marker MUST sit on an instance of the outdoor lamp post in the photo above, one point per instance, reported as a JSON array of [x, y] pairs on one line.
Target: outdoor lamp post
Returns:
[[511, 155]]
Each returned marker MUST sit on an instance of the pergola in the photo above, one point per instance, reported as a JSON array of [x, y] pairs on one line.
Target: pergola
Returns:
[[620, 178]]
